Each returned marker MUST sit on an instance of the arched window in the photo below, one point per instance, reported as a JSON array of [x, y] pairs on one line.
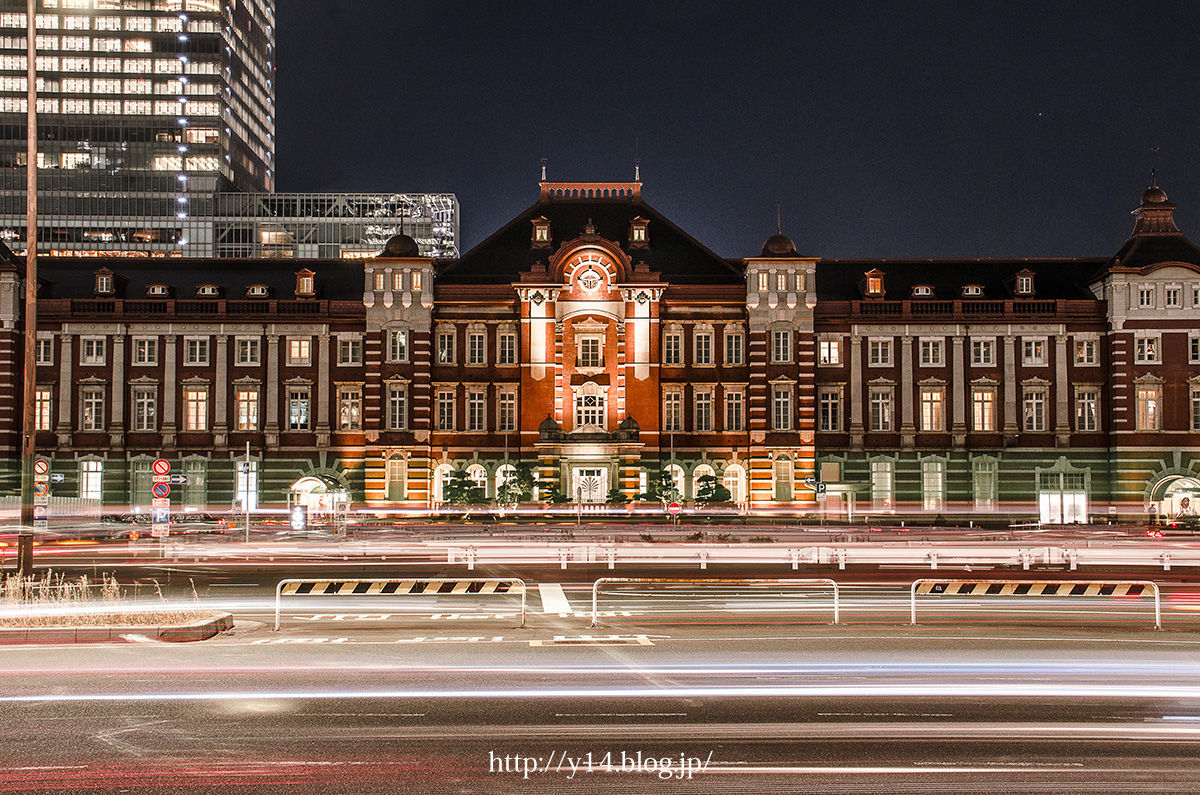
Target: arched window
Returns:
[[697, 473], [478, 476], [734, 479], [677, 479], [440, 476], [505, 473]]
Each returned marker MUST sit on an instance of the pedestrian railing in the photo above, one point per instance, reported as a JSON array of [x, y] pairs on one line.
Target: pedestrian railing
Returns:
[[936, 587], [706, 581], [399, 587]]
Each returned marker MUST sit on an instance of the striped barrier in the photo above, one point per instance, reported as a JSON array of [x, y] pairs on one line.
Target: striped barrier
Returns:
[[930, 587], [399, 587], [705, 581]]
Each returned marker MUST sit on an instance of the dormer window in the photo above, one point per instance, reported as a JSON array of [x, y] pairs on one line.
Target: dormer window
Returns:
[[874, 284], [158, 291], [305, 284], [104, 282], [1025, 283], [416, 280], [208, 291], [922, 291], [972, 291], [541, 232], [379, 282], [257, 291], [638, 235]]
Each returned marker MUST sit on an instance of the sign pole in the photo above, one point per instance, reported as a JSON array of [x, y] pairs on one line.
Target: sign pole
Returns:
[[28, 428], [246, 494]]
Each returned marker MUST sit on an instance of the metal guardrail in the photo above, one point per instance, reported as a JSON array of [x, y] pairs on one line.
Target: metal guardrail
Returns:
[[705, 581], [947, 587], [398, 587]]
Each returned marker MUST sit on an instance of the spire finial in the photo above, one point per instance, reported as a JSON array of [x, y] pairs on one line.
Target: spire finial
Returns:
[[637, 159], [543, 169], [778, 217], [1154, 167], [637, 170]]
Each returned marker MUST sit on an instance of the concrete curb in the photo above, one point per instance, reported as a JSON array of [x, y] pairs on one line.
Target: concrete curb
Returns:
[[181, 633]]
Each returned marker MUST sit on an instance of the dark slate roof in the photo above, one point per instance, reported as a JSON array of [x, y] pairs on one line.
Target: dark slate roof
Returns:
[[840, 279], [677, 256], [1142, 250], [72, 277]]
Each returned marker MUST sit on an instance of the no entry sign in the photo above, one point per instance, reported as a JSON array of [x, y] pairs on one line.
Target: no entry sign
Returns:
[[161, 466], [674, 509]]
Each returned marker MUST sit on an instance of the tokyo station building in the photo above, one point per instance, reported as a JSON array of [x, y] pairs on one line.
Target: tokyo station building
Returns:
[[595, 341]]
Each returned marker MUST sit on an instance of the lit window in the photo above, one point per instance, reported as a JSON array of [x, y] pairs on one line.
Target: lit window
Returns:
[[875, 285], [829, 352], [298, 399], [195, 403], [933, 404], [983, 409], [933, 485], [1087, 415], [781, 346], [349, 408], [42, 409], [882, 482], [247, 409], [1149, 408], [378, 279], [1085, 351], [762, 281], [304, 284], [299, 351], [397, 407], [91, 479]]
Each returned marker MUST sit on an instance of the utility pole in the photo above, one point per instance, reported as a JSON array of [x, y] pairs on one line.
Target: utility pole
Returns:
[[246, 493], [29, 361]]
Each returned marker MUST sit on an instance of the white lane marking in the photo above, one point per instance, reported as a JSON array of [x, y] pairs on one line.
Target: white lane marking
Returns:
[[295, 641], [553, 599]]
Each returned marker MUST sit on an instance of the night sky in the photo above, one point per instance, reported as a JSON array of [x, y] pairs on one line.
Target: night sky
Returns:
[[904, 129]]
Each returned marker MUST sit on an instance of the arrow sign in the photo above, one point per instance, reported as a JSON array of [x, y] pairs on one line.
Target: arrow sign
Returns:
[[810, 481], [161, 490], [161, 466], [57, 477], [178, 480]]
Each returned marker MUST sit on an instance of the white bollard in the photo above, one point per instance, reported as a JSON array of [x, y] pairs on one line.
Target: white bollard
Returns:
[[1166, 558], [841, 559], [612, 558], [703, 561], [933, 556], [795, 555]]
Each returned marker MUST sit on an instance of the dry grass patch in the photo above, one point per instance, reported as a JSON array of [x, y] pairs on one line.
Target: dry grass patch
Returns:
[[53, 600]]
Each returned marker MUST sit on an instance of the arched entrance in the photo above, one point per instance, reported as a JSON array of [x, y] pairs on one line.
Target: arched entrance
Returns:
[[1177, 496], [322, 496]]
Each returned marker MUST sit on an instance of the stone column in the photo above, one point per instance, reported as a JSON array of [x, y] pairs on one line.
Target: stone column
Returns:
[[170, 387], [271, 428], [1010, 385], [856, 391], [1062, 404], [958, 385], [323, 390], [116, 429], [221, 397], [908, 398], [65, 392]]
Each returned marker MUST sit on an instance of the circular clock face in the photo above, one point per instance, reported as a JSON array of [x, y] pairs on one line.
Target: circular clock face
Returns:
[[590, 279], [590, 271]]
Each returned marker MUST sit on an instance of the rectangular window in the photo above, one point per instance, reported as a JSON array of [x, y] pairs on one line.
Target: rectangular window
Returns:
[[703, 352], [673, 411], [733, 348], [984, 480], [506, 412], [247, 351], [398, 345], [702, 407], [931, 353], [195, 351], [1087, 416], [397, 418], [1149, 408], [395, 478], [145, 408], [734, 411], [145, 351], [245, 486], [397, 282], [1034, 411], [881, 409], [45, 350], [1035, 351], [589, 410], [247, 409], [92, 408], [829, 409], [933, 404], [195, 492], [780, 281], [349, 408], [983, 353], [1085, 351], [880, 352], [349, 351], [298, 408], [42, 409], [589, 353], [445, 410], [475, 410], [445, 347], [1146, 298], [829, 352], [983, 409], [195, 406], [506, 348], [1193, 350], [299, 351], [882, 484], [673, 349], [91, 479], [92, 351], [781, 346], [933, 485], [476, 347], [1195, 405], [782, 409], [762, 277], [1174, 298], [1145, 350]]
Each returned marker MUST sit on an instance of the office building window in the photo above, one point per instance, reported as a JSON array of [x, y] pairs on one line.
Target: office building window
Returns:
[[782, 409], [933, 485], [445, 346], [476, 348], [506, 348], [1149, 408], [92, 350], [702, 348], [248, 351], [91, 479], [476, 410], [983, 353], [702, 401], [349, 351], [195, 408], [734, 411], [398, 345], [880, 352], [299, 351], [349, 408], [883, 474], [397, 407], [145, 408], [506, 412], [829, 352], [43, 405], [933, 405], [445, 410], [673, 411], [829, 409], [673, 349], [1087, 415], [733, 348], [984, 477], [781, 346], [1034, 410], [1035, 351], [298, 404], [983, 409], [931, 353], [145, 351], [881, 408], [92, 408], [247, 409]]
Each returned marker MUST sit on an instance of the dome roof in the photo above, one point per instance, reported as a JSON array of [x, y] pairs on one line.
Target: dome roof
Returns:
[[1154, 195], [779, 245], [549, 424], [401, 246]]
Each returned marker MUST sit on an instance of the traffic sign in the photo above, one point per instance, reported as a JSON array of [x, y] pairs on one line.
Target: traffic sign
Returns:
[[161, 466], [299, 517], [674, 509], [161, 490], [178, 480], [41, 489], [160, 515], [41, 466], [40, 512], [810, 481], [822, 488], [57, 477]]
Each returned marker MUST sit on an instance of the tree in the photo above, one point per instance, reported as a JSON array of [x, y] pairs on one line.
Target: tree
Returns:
[[516, 485], [460, 489], [709, 489], [615, 496], [662, 487]]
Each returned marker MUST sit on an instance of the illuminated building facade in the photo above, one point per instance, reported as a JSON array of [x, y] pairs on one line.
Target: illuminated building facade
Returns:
[[594, 341]]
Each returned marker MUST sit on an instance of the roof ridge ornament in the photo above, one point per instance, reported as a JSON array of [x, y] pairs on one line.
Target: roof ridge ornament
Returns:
[[590, 228]]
